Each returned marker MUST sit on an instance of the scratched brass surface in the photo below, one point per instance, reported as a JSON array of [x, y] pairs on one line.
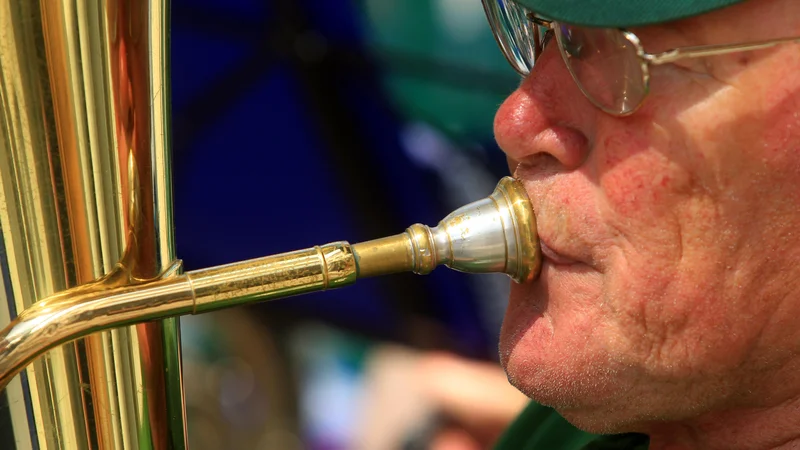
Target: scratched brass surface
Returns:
[[84, 188], [314, 269]]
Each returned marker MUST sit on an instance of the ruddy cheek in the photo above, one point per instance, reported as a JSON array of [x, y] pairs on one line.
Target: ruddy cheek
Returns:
[[781, 134], [627, 192], [633, 177]]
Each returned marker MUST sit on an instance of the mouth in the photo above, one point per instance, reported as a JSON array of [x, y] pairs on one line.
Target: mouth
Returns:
[[555, 257], [558, 243]]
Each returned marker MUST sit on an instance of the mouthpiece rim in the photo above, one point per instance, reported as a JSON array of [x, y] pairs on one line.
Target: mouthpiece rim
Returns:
[[529, 260]]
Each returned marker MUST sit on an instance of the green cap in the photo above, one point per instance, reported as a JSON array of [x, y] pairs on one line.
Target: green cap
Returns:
[[621, 13]]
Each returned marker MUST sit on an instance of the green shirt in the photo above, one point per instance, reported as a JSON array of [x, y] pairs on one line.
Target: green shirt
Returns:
[[541, 428]]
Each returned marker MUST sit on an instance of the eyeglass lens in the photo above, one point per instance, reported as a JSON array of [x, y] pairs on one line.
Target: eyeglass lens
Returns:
[[606, 66], [515, 33], [604, 62]]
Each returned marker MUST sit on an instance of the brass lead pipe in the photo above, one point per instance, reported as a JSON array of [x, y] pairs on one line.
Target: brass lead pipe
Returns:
[[496, 234]]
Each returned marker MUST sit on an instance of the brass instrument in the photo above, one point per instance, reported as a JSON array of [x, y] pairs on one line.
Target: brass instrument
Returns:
[[87, 248]]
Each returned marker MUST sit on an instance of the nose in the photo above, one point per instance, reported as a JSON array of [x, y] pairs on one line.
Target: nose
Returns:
[[546, 115]]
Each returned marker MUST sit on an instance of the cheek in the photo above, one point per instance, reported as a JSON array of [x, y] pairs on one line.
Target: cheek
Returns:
[[781, 136], [654, 286], [638, 181]]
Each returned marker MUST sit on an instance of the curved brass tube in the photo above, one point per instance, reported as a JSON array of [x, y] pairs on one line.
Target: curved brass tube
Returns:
[[496, 234]]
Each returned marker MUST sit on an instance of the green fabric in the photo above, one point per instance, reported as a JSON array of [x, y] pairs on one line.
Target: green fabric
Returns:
[[540, 427], [622, 13]]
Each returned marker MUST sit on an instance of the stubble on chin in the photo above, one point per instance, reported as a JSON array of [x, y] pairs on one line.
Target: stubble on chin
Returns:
[[560, 369]]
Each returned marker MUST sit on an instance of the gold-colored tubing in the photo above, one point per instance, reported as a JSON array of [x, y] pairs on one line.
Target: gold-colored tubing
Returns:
[[89, 308], [384, 256], [496, 234]]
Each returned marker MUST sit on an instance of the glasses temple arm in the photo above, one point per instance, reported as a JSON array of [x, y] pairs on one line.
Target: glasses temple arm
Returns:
[[711, 50]]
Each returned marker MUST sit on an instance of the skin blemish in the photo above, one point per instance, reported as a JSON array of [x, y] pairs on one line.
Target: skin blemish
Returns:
[[743, 60]]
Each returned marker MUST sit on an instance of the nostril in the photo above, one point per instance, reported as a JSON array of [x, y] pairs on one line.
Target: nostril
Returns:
[[567, 145], [527, 140]]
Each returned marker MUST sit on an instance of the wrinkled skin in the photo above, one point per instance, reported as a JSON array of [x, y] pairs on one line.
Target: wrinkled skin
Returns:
[[670, 302]]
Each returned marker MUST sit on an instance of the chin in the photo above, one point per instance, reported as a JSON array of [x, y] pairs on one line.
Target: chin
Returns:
[[614, 422], [559, 358], [586, 400]]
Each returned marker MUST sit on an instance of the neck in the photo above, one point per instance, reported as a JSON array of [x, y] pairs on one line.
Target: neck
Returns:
[[750, 429]]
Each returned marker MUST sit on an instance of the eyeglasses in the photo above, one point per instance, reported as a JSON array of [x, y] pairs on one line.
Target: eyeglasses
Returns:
[[609, 65]]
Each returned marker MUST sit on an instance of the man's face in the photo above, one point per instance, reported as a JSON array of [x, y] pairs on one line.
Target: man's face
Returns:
[[673, 234]]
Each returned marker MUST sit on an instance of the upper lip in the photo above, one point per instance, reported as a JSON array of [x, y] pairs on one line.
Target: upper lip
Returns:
[[558, 247]]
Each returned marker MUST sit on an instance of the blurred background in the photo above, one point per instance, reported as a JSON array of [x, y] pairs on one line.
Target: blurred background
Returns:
[[301, 122]]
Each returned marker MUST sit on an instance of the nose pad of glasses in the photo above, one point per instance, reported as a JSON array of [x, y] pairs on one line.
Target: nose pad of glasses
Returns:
[[542, 37]]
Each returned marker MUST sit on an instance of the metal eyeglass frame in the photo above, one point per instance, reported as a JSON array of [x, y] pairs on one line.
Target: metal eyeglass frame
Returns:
[[646, 59]]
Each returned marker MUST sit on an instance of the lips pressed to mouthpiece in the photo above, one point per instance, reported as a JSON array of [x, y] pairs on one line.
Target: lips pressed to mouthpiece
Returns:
[[554, 256]]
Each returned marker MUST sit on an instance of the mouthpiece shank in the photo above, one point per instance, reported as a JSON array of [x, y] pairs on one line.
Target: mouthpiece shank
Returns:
[[496, 234]]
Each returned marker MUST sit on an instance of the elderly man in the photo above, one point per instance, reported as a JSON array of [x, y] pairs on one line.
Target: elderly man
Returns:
[[659, 141]]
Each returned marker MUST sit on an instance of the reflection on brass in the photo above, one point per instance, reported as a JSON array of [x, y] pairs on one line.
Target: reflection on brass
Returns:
[[89, 280], [85, 194]]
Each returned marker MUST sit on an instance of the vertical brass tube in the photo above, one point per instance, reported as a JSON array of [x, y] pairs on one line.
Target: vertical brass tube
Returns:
[[84, 184]]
